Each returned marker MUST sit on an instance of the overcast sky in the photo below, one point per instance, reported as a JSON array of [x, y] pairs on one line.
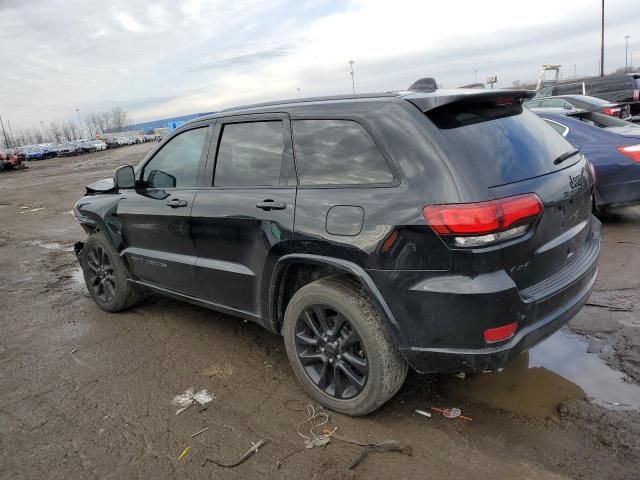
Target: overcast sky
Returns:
[[159, 58]]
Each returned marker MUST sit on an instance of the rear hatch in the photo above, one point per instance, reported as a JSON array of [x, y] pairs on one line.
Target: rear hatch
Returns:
[[514, 153]]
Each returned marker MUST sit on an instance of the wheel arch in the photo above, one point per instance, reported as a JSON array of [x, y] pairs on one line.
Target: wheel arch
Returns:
[[280, 285]]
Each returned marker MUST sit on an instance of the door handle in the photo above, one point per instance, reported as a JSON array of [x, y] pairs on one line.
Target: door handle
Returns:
[[271, 205], [177, 203]]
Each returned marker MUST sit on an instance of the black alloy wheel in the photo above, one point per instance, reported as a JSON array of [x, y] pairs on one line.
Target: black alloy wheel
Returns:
[[331, 352], [100, 275]]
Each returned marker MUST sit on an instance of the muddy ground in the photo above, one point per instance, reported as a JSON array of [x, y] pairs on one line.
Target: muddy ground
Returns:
[[85, 394]]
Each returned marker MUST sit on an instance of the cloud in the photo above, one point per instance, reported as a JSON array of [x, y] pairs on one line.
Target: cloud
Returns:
[[158, 58], [246, 59], [129, 23]]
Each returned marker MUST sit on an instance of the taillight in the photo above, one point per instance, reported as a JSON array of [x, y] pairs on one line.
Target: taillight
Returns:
[[613, 112], [484, 223], [499, 334], [632, 151]]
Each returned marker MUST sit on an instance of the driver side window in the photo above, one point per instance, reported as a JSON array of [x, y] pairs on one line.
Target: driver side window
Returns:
[[176, 165]]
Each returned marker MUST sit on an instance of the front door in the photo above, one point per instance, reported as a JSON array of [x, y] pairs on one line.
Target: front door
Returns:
[[244, 220], [155, 218]]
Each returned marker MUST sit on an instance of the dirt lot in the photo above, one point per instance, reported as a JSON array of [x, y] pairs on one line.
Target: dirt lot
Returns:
[[85, 394]]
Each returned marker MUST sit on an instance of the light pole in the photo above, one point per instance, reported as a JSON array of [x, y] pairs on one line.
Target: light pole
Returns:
[[475, 76], [626, 52], [353, 82], [602, 43], [79, 124]]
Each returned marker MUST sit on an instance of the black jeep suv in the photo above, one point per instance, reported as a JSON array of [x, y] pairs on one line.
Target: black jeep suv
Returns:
[[442, 230]]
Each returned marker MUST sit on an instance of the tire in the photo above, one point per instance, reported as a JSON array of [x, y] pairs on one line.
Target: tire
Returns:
[[106, 276], [385, 368]]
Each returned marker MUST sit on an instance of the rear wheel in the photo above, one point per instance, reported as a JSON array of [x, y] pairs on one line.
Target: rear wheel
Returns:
[[339, 349], [106, 276]]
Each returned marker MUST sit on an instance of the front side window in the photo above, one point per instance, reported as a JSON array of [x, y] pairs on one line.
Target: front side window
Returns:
[[337, 152], [176, 165], [250, 154]]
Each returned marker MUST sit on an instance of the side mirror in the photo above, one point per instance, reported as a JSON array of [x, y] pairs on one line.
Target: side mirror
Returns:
[[124, 177], [568, 106]]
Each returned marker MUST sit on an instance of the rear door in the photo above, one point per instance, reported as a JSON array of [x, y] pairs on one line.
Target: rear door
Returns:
[[155, 217], [243, 220]]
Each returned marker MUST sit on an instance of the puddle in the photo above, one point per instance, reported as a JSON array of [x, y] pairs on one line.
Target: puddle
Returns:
[[537, 381]]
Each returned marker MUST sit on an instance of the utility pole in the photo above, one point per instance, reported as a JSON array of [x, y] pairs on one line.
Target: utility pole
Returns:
[[6, 141], [626, 52], [353, 82], [79, 123], [13, 139], [602, 43], [475, 76]]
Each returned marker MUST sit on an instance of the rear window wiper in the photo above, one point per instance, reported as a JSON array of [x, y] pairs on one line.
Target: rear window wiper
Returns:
[[566, 156]]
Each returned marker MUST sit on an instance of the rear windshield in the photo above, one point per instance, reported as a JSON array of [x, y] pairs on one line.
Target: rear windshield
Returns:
[[506, 144], [601, 120]]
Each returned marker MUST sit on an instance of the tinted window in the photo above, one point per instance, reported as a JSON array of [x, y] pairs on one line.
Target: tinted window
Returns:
[[337, 152], [568, 89], [610, 84], [505, 144], [250, 154], [553, 102], [176, 165]]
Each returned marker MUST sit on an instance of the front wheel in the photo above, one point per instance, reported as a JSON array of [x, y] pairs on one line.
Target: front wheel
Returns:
[[339, 349], [106, 276]]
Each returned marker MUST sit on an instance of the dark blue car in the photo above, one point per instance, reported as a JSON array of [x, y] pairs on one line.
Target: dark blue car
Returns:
[[612, 145]]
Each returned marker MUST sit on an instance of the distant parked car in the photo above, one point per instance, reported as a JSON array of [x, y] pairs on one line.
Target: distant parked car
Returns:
[[9, 161], [612, 146], [112, 143], [69, 149], [35, 153], [100, 145], [582, 102], [612, 88], [88, 147]]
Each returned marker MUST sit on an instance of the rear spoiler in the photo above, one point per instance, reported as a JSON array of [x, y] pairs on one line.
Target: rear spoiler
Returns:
[[427, 101]]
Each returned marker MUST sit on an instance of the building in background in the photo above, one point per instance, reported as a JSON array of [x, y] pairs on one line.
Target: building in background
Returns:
[[169, 123]]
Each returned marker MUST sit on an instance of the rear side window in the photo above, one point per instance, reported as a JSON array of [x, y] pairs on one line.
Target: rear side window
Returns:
[[250, 154], [610, 84], [568, 89], [505, 143], [337, 152]]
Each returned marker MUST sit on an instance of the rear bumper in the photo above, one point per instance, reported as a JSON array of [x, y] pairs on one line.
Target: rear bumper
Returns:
[[442, 319]]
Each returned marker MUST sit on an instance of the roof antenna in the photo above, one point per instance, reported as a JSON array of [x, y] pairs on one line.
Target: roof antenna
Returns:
[[426, 84]]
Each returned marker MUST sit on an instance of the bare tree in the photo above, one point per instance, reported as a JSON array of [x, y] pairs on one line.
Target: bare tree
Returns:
[[119, 118], [56, 132], [90, 127]]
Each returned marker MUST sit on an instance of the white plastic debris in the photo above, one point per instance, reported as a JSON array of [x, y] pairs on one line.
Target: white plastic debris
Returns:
[[185, 399], [188, 398], [203, 397]]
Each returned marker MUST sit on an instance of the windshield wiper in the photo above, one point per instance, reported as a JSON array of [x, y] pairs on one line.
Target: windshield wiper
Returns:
[[566, 156]]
